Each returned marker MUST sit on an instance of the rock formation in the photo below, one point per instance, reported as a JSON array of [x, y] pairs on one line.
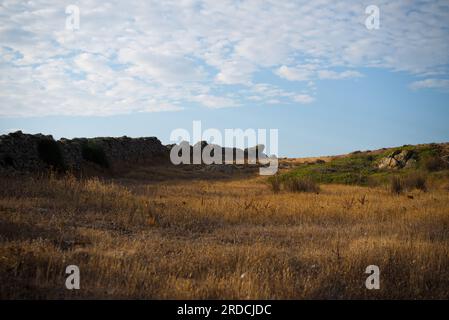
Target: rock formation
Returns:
[[398, 160]]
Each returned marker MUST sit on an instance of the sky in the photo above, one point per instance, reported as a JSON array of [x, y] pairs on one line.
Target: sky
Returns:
[[318, 71]]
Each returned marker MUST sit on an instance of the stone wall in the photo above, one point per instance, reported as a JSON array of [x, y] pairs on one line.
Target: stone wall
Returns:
[[237, 155], [20, 151], [25, 152]]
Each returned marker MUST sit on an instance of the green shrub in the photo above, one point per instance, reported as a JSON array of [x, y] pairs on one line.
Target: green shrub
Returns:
[[94, 153], [346, 170], [297, 184], [50, 153]]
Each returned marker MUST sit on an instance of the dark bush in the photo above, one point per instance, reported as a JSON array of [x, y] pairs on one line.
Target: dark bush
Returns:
[[434, 163], [396, 185], [275, 183], [50, 153], [94, 153], [296, 184], [416, 181]]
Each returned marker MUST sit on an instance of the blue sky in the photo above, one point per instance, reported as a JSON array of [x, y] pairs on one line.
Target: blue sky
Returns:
[[311, 70]]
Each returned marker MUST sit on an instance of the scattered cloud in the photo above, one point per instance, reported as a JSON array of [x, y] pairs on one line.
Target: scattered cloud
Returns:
[[299, 73], [140, 56], [329, 74], [303, 98], [442, 84], [215, 102], [311, 71]]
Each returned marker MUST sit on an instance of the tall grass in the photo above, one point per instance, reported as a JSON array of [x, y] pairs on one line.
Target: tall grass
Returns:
[[218, 240], [409, 182], [396, 185], [416, 181], [293, 184], [275, 183]]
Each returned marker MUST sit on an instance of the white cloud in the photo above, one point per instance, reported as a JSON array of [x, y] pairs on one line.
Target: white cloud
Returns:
[[93, 64], [310, 71], [303, 98], [301, 73], [215, 102], [442, 84], [329, 74], [132, 56], [235, 72], [165, 68]]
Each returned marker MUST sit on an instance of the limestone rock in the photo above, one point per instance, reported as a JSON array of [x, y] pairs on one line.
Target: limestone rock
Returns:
[[397, 159]]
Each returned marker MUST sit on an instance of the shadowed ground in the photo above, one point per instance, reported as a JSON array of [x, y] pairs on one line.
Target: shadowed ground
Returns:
[[219, 239]]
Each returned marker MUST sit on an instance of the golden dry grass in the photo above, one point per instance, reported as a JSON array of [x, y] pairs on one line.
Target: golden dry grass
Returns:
[[196, 239]]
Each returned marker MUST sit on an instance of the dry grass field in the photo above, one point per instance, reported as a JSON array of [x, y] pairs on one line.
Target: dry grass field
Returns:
[[219, 239]]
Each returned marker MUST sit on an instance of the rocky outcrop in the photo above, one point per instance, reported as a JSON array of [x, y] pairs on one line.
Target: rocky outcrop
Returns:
[[398, 160], [28, 152]]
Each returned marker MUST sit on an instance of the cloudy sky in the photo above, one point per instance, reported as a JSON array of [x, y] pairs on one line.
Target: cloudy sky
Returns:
[[311, 69]]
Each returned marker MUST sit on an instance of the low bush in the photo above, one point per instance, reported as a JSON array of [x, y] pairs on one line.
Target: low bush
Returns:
[[434, 163], [396, 185], [297, 184], [416, 181]]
